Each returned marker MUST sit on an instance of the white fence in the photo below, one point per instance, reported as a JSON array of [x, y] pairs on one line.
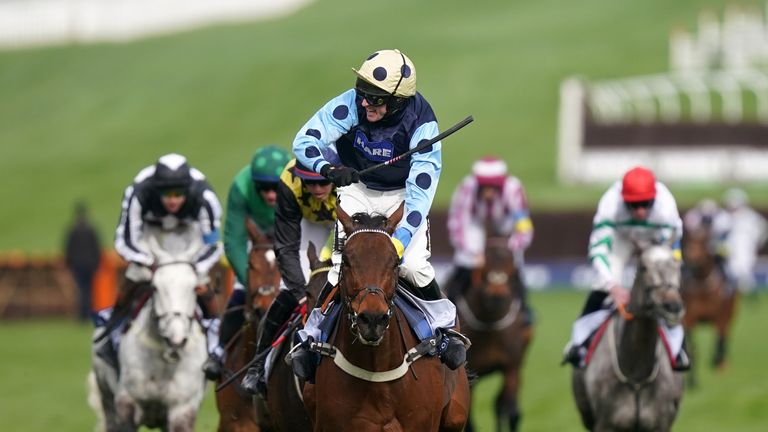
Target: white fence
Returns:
[[43, 22]]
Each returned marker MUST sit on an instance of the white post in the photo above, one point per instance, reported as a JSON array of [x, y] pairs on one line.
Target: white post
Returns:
[[571, 120]]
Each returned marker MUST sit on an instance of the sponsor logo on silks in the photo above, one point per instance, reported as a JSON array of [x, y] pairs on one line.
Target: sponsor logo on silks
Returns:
[[379, 151]]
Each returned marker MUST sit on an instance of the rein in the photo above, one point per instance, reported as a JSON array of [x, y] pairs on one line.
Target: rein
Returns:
[[317, 271]]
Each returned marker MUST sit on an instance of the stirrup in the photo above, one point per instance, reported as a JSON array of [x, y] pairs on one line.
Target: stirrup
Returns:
[[253, 382], [212, 367], [682, 362], [303, 361], [452, 349]]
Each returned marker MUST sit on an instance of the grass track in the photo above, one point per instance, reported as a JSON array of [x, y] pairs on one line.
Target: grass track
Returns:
[[44, 364]]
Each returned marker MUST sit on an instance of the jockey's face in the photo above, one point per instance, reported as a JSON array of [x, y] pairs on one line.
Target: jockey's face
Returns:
[[373, 113], [319, 190], [268, 192], [639, 211], [488, 193], [173, 203]]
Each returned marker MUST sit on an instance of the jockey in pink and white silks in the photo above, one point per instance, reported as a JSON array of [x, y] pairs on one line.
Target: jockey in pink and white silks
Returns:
[[489, 198], [637, 209], [382, 117], [748, 233]]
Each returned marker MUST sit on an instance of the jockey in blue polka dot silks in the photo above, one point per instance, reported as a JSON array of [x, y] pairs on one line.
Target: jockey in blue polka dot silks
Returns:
[[382, 117]]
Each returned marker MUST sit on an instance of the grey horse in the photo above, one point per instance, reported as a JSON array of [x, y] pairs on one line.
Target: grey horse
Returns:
[[629, 385]]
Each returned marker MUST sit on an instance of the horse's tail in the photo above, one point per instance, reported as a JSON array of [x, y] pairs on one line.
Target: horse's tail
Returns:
[[94, 401]]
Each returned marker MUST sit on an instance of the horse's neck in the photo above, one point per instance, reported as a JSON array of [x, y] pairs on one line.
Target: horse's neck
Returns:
[[637, 346], [385, 356]]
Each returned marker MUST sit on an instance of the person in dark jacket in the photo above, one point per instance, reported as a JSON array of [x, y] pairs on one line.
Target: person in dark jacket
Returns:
[[82, 253]]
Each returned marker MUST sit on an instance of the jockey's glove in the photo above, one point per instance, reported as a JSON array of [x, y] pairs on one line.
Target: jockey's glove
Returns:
[[340, 176]]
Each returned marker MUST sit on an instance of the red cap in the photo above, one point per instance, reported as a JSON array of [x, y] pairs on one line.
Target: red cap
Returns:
[[490, 171], [639, 184]]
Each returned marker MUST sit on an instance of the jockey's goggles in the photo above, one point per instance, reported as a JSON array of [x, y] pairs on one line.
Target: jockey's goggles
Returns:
[[639, 204], [173, 192], [262, 186], [319, 182], [373, 100]]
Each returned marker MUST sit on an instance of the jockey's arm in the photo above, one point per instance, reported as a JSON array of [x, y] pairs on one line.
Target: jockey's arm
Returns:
[[522, 228], [460, 216], [129, 231], [421, 184], [235, 235], [288, 238], [210, 223], [601, 241], [333, 120]]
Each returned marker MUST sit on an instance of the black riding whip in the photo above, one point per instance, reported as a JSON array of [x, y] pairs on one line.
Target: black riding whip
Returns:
[[421, 146]]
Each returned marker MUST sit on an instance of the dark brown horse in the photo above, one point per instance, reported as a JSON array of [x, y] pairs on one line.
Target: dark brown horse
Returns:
[[237, 411], [369, 385], [706, 295], [284, 397], [491, 317]]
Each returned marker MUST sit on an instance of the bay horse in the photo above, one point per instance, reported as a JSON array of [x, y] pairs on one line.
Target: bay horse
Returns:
[[628, 384], [160, 382], [238, 410], [370, 384], [706, 295], [491, 316], [284, 390]]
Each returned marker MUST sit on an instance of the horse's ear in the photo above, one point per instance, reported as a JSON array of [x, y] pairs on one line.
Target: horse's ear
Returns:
[[393, 220], [312, 256], [345, 220], [254, 233]]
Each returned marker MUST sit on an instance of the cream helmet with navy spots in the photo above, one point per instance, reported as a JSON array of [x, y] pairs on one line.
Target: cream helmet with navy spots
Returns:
[[391, 71]]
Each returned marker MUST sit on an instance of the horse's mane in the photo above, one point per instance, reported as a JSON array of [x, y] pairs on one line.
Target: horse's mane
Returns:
[[369, 221]]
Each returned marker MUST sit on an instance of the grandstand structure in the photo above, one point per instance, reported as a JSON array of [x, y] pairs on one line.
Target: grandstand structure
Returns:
[[705, 120], [25, 23]]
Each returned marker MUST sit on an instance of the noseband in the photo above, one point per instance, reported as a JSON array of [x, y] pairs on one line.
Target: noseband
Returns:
[[352, 314]]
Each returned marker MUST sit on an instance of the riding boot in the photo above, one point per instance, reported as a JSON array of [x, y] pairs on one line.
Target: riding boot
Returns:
[[528, 316], [254, 381], [452, 349], [231, 322], [574, 354], [683, 360]]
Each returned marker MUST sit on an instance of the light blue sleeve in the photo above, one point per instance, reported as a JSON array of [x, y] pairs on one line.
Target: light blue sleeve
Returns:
[[422, 182], [332, 121]]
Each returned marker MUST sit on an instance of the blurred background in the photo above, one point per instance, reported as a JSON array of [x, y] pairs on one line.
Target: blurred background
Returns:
[[569, 94]]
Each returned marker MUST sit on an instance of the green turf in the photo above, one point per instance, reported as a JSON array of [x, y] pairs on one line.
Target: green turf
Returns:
[[80, 121], [44, 365]]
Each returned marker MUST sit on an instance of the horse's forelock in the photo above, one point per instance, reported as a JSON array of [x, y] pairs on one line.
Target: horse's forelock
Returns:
[[369, 221]]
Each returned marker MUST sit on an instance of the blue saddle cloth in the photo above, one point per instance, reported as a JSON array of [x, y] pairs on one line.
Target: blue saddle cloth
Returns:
[[413, 314]]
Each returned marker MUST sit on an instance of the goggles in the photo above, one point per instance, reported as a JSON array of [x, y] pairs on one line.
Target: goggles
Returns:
[[639, 204], [319, 182], [373, 100], [173, 192], [265, 186]]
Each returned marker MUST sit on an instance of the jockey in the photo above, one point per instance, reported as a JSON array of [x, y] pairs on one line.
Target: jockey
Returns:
[[638, 208], [168, 194], [488, 197], [306, 212], [381, 118], [709, 218], [253, 195], [749, 231]]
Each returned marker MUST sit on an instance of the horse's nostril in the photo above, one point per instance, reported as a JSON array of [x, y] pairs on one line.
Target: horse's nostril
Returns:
[[372, 319], [673, 307]]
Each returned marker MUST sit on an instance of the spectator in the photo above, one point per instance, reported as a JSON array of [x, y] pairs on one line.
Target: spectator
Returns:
[[82, 253]]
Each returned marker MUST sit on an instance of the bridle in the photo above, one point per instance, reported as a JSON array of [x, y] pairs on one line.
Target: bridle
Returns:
[[349, 301]]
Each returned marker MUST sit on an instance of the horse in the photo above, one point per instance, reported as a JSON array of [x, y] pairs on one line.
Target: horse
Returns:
[[284, 390], [706, 295], [160, 383], [490, 313], [628, 384], [373, 382], [239, 411]]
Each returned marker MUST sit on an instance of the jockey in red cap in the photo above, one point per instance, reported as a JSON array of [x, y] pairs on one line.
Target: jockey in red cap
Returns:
[[638, 208]]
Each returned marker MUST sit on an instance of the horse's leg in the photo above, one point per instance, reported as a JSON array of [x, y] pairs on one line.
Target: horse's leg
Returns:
[[456, 413], [127, 410], [182, 418], [506, 402]]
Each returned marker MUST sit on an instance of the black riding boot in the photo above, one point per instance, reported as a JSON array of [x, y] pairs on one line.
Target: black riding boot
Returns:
[[575, 353], [277, 315], [452, 350], [230, 323], [528, 316]]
